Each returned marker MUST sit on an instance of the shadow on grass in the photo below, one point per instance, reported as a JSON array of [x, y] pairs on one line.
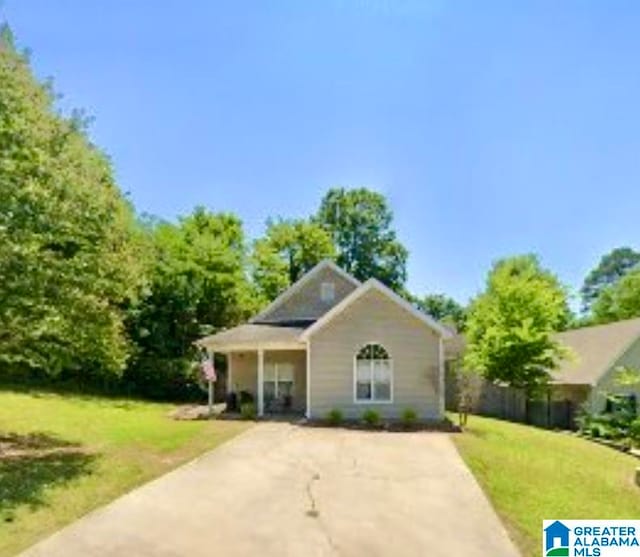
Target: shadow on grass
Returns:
[[29, 464], [11, 442]]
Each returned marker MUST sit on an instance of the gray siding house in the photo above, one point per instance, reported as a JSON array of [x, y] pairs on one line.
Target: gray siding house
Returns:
[[331, 342], [582, 380]]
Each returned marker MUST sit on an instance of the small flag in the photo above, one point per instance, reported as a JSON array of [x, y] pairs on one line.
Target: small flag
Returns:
[[208, 370]]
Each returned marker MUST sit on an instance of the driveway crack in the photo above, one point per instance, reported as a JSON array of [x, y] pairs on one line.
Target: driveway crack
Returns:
[[313, 507]]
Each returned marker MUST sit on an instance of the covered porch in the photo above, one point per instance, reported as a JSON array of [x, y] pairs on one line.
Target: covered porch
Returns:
[[266, 365]]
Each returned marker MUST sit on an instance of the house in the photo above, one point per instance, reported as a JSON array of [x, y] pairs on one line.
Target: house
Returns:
[[331, 342], [598, 353], [582, 380]]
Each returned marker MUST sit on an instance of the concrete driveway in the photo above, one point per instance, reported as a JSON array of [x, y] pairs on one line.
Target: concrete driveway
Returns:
[[280, 490]]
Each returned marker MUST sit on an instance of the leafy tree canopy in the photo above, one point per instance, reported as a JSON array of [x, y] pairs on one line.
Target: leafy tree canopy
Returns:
[[619, 301], [287, 251], [510, 325], [197, 284], [443, 308], [69, 257], [611, 268], [360, 223]]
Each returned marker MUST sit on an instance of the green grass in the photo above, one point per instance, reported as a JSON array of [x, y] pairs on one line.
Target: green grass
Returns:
[[65, 455], [532, 474]]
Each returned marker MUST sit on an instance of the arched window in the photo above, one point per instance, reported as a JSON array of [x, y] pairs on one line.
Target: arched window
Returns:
[[373, 374]]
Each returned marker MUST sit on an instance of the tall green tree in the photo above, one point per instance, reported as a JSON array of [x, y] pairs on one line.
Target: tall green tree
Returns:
[[611, 268], [443, 308], [360, 223], [619, 301], [197, 285], [510, 325], [69, 257], [288, 250]]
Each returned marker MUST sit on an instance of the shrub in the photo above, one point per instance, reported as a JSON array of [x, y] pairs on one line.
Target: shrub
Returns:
[[248, 411], [371, 417], [584, 421], [245, 397], [634, 431], [409, 417], [335, 416]]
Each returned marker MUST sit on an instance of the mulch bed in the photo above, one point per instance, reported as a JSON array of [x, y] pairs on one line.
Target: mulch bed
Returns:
[[616, 445], [442, 427], [201, 412]]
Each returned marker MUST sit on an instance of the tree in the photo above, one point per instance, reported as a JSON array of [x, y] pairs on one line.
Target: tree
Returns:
[[197, 285], [443, 308], [359, 221], [69, 249], [619, 301], [288, 250], [510, 325], [611, 268]]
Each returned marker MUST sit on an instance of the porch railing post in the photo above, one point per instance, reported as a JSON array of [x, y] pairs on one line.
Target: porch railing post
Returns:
[[260, 382]]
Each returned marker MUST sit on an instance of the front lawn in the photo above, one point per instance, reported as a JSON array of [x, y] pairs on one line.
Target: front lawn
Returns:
[[532, 474], [63, 455]]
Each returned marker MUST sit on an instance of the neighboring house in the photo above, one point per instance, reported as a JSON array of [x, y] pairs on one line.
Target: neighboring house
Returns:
[[599, 352], [584, 379], [331, 342]]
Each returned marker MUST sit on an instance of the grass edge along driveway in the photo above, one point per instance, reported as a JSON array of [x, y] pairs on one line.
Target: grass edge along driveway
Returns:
[[531, 474], [65, 455]]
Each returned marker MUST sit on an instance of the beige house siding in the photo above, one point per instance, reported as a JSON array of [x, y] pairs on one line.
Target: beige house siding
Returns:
[[306, 302], [607, 385], [413, 347], [244, 373]]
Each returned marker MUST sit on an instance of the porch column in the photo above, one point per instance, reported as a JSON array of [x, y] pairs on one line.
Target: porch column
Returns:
[[212, 356], [229, 372], [260, 382], [441, 373]]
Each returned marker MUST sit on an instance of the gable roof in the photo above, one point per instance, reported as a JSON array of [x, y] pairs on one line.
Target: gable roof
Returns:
[[374, 284], [304, 279], [596, 349]]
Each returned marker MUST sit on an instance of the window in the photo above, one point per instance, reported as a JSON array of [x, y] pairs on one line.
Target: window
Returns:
[[278, 381], [327, 292], [373, 374]]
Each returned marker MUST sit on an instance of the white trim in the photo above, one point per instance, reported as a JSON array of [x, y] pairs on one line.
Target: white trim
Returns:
[[260, 382], [227, 348], [308, 409], [355, 380], [374, 284], [229, 372], [210, 401], [324, 264]]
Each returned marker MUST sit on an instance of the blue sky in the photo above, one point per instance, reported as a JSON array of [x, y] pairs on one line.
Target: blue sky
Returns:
[[494, 128]]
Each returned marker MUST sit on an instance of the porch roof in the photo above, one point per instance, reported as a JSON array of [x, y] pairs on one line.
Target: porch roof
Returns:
[[252, 336]]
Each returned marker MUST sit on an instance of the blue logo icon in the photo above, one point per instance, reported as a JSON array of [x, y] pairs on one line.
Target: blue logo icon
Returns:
[[556, 540]]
